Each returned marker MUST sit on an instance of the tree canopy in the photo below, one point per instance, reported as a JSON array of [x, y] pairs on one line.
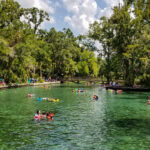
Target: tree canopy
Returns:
[[124, 38], [26, 50]]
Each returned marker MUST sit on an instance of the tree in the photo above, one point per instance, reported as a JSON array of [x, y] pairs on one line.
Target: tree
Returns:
[[35, 17], [104, 33], [10, 12]]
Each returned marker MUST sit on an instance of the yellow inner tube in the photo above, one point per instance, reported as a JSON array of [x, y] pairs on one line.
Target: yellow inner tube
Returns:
[[53, 100]]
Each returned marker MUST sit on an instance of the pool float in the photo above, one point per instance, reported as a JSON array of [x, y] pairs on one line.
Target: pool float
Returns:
[[53, 100], [37, 117], [44, 87], [39, 99], [47, 99], [50, 116], [109, 90]]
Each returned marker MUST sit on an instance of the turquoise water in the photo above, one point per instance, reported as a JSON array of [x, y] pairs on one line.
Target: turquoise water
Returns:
[[115, 122]]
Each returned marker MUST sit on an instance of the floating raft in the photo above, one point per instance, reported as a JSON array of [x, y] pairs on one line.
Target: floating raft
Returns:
[[137, 89]]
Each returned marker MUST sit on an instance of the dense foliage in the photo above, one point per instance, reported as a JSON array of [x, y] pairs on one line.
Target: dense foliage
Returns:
[[125, 38], [27, 51]]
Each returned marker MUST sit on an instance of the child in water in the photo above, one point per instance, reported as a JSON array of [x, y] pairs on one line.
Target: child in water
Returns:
[[37, 115], [47, 115]]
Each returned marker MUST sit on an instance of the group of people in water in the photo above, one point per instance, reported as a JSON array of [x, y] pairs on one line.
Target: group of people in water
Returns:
[[44, 115], [78, 90]]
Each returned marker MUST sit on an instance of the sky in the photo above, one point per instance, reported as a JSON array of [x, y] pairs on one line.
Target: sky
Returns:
[[73, 14]]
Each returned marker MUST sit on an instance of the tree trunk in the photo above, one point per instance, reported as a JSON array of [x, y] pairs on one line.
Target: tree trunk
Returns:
[[41, 70]]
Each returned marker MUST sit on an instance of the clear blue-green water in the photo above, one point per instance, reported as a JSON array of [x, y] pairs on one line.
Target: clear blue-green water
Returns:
[[114, 122]]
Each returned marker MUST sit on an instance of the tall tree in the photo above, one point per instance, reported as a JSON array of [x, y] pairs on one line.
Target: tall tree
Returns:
[[104, 33], [35, 17]]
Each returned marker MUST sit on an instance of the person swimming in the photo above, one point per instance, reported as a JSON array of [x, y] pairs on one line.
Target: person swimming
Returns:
[[37, 115], [95, 97], [49, 115], [44, 115]]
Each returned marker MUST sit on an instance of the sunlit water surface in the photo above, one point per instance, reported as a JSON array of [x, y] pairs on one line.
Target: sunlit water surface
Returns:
[[115, 122]]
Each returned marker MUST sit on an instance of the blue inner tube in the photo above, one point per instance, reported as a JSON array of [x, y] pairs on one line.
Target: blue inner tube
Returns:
[[39, 99]]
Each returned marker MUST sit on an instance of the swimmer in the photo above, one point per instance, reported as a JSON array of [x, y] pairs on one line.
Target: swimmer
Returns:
[[49, 115], [95, 97], [43, 115], [37, 115]]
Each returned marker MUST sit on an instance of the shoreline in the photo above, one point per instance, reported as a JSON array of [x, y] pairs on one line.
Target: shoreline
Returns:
[[137, 89], [13, 85]]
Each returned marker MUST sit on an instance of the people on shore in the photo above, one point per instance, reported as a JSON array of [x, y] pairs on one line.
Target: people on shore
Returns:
[[110, 83], [114, 83]]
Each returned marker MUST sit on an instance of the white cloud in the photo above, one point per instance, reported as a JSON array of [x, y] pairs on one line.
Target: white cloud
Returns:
[[40, 4], [107, 11], [52, 20], [46, 24], [132, 15], [83, 13], [112, 3], [57, 4]]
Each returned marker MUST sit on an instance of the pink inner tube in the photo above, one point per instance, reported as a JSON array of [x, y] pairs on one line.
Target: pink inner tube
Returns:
[[37, 117]]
